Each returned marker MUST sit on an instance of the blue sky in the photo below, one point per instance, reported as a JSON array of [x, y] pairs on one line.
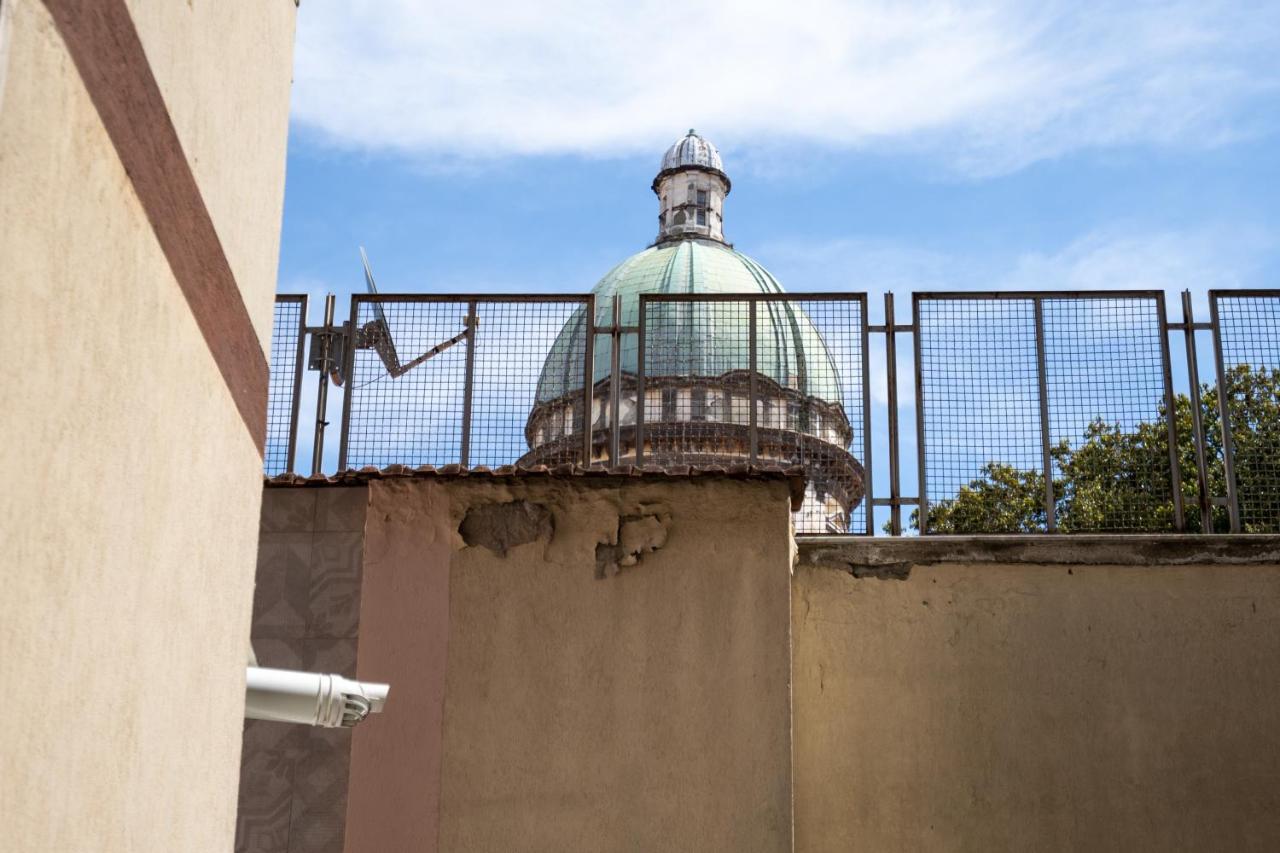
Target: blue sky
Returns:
[[510, 147]]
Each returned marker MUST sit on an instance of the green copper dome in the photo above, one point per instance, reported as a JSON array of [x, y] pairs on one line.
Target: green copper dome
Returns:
[[704, 339]]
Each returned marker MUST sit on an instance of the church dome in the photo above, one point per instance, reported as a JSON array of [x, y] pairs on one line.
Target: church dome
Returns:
[[692, 150], [710, 339]]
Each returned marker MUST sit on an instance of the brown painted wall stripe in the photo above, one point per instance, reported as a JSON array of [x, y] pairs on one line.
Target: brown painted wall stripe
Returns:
[[103, 43]]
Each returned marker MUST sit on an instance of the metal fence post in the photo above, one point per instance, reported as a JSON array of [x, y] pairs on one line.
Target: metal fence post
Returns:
[[1045, 455], [922, 500], [322, 390], [868, 500], [348, 371], [296, 402], [1224, 416], [752, 387], [1175, 472], [615, 382], [1197, 422], [891, 379], [640, 392], [588, 384], [468, 386]]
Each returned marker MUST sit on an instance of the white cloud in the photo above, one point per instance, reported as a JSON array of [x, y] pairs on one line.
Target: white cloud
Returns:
[[987, 86], [1118, 257]]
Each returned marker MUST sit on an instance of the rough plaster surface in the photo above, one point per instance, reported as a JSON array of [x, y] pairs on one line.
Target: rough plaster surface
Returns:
[[1037, 707], [131, 511], [225, 71], [647, 709], [501, 526], [410, 536]]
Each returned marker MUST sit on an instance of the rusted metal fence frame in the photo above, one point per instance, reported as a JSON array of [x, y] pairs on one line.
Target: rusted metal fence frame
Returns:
[[752, 300], [1038, 298], [472, 303]]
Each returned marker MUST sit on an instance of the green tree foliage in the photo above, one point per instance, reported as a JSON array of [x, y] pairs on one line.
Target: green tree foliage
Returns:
[[1115, 480]]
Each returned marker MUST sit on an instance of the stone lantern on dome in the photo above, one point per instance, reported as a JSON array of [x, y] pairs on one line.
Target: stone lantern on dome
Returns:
[[696, 394]]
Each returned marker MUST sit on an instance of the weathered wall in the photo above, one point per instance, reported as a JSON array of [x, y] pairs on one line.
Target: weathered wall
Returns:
[[131, 507], [306, 608], [573, 696], [977, 706]]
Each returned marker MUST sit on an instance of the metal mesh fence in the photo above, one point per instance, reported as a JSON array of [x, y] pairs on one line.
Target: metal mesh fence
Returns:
[[1010, 387], [1106, 369], [1247, 339], [1014, 385], [440, 380], [284, 383], [804, 368], [979, 412]]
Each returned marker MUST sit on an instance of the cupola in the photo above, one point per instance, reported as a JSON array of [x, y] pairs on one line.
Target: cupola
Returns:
[[691, 187]]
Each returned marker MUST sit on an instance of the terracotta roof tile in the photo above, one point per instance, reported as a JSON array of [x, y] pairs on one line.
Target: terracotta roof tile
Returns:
[[794, 474]]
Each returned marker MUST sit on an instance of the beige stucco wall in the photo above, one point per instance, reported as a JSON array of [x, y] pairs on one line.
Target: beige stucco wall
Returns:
[[131, 503], [1034, 707], [560, 703]]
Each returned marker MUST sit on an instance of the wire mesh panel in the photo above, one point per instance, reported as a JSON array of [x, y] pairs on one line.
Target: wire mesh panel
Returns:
[[1246, 327], [284, 383], [470, 380], [1016, 387], [529, 371], [801, 359], [979, 419], [1105, 377]]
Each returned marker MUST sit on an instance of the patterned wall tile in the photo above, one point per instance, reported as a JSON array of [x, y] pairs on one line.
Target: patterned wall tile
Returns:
[[320, 793], [341, 509], [266, 799], [293, 786], [282, 595], [334, 608], [288, 510]]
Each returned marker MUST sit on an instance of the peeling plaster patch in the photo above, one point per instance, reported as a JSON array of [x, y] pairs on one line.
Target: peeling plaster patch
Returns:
[[500, 527], [898, 570], [636, 535], [883, 571]]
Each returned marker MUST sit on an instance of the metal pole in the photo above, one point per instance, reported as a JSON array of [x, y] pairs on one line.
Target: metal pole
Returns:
[[867, 491], [1046, 457], [1228, 446], [640, 392], [322, 390], [1197, 422], [468, 386], [752, 387], [615, 381], [1175, 472], [588, 384], [922, 502], [298, 368], [348, 374], [891, 374]]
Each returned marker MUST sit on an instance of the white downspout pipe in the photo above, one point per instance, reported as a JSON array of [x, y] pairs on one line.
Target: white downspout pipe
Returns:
[[310, 698]]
